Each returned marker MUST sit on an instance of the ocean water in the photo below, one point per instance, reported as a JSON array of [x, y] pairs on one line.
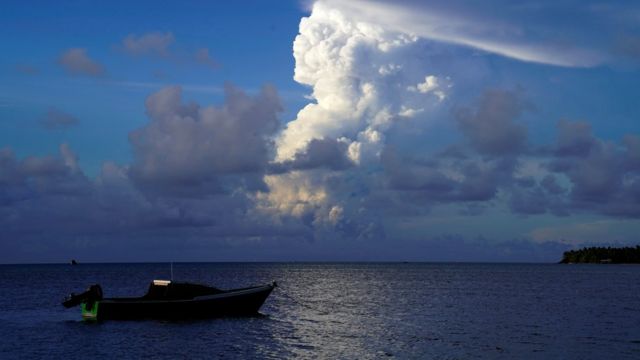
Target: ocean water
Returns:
[[343, 310]]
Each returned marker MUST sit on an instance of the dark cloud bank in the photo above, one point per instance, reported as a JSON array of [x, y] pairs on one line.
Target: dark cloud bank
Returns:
[[579, 173], [190, 192]]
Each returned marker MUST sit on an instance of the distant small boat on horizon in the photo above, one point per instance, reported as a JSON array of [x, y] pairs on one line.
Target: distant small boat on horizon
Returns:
[[74, 262]]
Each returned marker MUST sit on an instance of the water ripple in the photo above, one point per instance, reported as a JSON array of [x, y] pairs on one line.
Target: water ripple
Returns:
[[363, 311]]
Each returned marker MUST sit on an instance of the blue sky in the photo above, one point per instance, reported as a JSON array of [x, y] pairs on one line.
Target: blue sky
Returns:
[[252, 48], [328, 130]]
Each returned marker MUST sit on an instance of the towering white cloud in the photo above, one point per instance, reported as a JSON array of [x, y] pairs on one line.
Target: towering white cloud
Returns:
[[362, 80], [373, 66]]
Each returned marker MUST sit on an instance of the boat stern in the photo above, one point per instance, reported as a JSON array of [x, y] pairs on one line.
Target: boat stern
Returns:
[[90, 310]]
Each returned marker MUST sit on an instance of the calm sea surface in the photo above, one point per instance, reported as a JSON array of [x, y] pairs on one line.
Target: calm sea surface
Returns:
[[350, 311]]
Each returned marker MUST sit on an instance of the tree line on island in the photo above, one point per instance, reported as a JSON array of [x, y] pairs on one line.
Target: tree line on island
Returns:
[[603, 255]]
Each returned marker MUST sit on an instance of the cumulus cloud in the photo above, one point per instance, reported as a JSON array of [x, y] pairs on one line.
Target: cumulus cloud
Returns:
[[50, 210], [355, 165], [152, 43], [442, 180], [491, 128], [187, 148], [370, 75], [195, 175], [360, 75], [574, 139], [364, 80], [632, 147], [582, 174], [431, 84], [319, 153], [33, 178], [76, 61], [149, 203], [56, 119], [203, 57], [604, 175], [294, 194], [195, 172]]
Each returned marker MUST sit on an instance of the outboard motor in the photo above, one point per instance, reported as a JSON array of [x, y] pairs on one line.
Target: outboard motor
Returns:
[[93, 294]]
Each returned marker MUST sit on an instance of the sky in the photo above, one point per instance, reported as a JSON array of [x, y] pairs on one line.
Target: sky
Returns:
[[361, 130]]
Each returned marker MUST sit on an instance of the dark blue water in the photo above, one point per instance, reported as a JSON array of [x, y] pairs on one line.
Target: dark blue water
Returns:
[[444, 311]]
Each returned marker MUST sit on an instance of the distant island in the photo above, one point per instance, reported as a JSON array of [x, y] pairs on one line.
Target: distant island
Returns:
[[603, 255]]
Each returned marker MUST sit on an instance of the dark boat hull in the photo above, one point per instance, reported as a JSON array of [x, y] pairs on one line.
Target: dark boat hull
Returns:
[[240, 302]]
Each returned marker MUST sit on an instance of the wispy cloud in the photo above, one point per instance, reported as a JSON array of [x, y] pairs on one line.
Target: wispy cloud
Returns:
[[509, 35], [153, 43], [198, 88], [56, 119], [158, 85], [163, 45], [27, 69]]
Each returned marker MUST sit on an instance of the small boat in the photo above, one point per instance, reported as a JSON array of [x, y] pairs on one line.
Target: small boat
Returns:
[[166, 299]]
